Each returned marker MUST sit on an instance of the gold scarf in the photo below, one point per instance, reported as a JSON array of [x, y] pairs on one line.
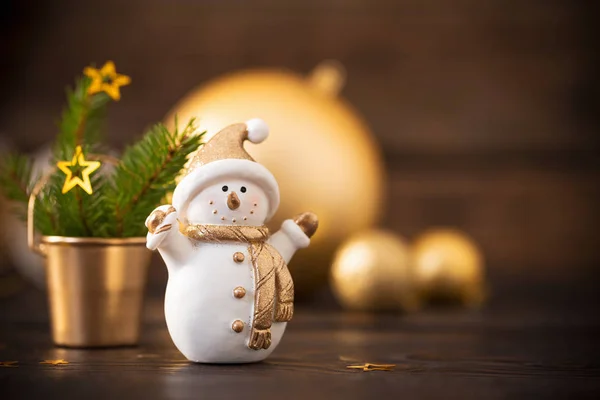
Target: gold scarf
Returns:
[[273, 289]]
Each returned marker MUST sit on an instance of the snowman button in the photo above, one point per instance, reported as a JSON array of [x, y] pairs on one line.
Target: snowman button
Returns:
[[238, 257], [239, 292], [237, 326]]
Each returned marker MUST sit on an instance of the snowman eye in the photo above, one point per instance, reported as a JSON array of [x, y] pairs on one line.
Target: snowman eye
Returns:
[[225, 188], [243, 189]]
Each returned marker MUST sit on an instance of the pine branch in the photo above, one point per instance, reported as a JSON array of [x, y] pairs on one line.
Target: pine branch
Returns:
[[44, 218], [120, 201], [79, 200], [64, 207], [147, 174], [81, 123], [95, 207], [17, 178]]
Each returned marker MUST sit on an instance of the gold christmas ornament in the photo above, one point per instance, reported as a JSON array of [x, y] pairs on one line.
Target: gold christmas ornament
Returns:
[[448, 265], [334, 167], [371, 272], [78, 162], [107, 80]]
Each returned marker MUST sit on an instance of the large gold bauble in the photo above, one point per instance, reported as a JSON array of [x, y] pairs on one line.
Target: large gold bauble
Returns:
[[448, 266], [320, 151], [371, 272]]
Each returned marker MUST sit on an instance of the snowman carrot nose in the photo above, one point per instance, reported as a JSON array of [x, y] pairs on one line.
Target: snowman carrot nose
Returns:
[[233, 201]]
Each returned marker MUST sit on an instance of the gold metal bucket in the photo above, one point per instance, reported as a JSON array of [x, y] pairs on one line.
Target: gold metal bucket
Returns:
[[95, 286]]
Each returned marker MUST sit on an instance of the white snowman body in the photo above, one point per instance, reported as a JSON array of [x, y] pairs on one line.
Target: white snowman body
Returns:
[[210, 295], [200, 306]]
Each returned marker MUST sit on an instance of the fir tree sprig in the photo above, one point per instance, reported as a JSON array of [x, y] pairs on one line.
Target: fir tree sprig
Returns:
[[81, 124], [82, 121], [16, 177], [146, 173], [123, 195]]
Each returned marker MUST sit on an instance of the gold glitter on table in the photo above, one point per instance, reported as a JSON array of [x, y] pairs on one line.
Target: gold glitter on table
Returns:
[[54, 362], [373, 367], [9, 364]]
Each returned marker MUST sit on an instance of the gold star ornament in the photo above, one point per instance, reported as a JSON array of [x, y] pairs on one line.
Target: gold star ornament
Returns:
[[106, 80], [81, 166]]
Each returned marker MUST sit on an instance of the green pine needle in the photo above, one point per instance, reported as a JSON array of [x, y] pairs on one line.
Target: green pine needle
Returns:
[[146, 174], [81, 121], [123, 196], [17, 178], [16, 175], [81, 125]]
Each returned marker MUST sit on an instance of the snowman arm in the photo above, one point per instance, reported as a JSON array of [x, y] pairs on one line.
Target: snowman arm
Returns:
[[175, 248], [172, 245], [166, 235], [289, 239], [160, 235]]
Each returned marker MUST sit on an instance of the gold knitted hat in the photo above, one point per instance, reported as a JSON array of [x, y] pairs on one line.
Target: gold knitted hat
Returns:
[[224, 157], [228, 143]]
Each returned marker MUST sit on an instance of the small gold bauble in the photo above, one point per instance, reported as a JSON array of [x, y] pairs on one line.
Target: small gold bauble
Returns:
[[371, 271], [448, 266], [321, 152]]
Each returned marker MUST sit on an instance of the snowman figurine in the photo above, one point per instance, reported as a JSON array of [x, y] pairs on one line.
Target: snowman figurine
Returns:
[[230, 293]]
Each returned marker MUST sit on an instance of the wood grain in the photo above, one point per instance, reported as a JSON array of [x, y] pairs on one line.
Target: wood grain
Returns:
[[498, 352]]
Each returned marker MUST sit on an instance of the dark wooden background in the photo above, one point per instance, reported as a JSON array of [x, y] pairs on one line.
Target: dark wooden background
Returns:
[[488, 115], [487, 110]]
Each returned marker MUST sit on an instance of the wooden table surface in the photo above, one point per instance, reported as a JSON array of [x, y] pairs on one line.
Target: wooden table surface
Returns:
[[522, 347]]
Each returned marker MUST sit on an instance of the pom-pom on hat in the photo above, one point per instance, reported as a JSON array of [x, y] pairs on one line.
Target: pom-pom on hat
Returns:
[[224, 156]]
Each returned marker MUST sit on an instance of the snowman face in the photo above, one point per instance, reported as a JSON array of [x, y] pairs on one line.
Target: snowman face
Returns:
[[229, 202]]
